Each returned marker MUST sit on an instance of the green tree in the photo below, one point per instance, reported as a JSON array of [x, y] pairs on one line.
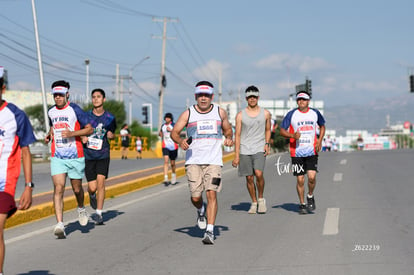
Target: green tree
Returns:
[[36, 116], [138, 130], [116, 108], [279, 142]]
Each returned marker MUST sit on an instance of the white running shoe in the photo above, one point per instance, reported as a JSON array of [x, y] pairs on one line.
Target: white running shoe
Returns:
[[208, 238], [253, 208], [201, 219], [59, 231], [173, 179], [261, 206], [83, 217]]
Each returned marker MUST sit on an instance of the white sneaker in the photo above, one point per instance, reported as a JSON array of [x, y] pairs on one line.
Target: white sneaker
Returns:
[[253, 208], [173, 179], [83, 217], [201, 219], [59, 231], [208, 238], [261, 206]]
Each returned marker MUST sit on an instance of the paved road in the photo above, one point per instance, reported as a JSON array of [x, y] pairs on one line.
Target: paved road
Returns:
[[363, 224]]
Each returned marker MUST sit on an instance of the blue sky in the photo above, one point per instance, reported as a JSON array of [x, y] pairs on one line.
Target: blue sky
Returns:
[[353, 51]]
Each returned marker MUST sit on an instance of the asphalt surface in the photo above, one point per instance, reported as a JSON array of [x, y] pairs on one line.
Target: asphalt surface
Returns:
[[363, 224], [129, 175]]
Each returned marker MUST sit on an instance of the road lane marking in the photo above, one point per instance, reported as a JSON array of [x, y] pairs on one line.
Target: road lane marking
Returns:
[[337, 177], [331, 225], [343, 162]]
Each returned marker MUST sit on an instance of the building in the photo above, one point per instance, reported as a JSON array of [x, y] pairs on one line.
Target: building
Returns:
[[24, 99]]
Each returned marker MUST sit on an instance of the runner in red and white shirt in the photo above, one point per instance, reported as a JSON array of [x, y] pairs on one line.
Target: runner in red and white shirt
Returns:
[[301, 127], [67, 123], [16, 134]]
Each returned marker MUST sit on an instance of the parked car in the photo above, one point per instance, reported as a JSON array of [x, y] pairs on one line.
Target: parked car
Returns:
[[39, 150]]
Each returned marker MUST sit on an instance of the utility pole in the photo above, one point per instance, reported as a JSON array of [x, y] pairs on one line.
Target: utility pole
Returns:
[[117, 82], [39, 61], [87, 61], [163, 80], [220, 92]]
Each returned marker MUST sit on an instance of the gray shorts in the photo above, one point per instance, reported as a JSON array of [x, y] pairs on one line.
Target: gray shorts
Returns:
[[249, 163]]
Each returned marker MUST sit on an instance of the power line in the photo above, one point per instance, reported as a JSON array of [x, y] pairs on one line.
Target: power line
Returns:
[[115, 7]]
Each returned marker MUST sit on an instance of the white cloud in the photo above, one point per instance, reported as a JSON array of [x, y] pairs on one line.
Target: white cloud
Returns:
[[23, 86], [299, 63], [211, 70], [243, 49]]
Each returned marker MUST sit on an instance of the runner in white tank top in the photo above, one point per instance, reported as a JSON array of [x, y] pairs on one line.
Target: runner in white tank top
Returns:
[[206, 123]]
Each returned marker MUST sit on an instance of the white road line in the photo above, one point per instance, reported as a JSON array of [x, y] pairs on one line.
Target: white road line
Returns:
[[331, 225], [337, 177], [343, 162]]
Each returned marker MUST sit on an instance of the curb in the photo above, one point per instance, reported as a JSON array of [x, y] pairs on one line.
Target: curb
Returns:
[[45, 210]]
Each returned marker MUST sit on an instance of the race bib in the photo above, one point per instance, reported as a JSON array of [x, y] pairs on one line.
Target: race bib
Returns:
[[94, 143], [207, 127], [59, 140], [305, 140]]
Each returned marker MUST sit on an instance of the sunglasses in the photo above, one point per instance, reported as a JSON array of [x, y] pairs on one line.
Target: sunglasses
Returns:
[[204, 95]]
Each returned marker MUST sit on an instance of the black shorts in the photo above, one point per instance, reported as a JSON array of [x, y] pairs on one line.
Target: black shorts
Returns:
[[172, 154], [300, 165], [125, 143], [95, 167], [7, 204]]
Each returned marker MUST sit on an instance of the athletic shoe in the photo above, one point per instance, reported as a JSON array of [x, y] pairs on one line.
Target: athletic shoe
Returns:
[[92, 201], [59, 231], [303, 209], [83, 217], [261, 206], [253, 208], [311, 204], [173, 179], [166, 182], [208, 238], [201, 219], [98, 219]]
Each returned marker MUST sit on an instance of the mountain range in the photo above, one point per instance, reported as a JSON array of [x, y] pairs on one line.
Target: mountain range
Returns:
[[371, 116]]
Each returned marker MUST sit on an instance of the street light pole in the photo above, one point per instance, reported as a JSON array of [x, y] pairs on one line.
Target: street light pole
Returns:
[[39, 61]]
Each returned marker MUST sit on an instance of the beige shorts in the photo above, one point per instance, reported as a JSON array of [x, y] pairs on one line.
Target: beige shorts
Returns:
[[203, 177]]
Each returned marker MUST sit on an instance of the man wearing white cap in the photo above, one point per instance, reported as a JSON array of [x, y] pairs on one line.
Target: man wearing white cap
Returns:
[[252, 146], [300, 126], [206, 124], [16, 133], [67, 123]]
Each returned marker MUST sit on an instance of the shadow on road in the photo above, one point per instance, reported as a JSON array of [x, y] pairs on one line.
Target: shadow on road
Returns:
[[243, 206], [75, 226], [292, 207], [196, 232], [37, 272]]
